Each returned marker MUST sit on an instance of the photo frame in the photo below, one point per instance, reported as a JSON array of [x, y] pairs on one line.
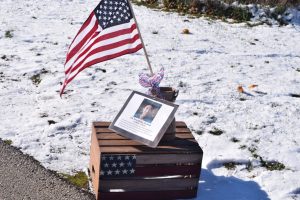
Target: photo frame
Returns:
[[144, 118]]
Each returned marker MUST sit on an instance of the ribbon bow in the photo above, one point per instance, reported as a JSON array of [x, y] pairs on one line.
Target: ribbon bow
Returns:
[[152, 82]]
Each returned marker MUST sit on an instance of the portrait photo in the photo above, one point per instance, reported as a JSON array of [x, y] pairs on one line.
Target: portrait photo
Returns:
[[147, 110]]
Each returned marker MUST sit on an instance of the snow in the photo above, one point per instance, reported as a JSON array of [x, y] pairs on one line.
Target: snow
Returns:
[[206, 66]]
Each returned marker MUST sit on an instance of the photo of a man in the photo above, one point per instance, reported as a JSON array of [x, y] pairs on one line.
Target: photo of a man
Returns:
[[147, 110]]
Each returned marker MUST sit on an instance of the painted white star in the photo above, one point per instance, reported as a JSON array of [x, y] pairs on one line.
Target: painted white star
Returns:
[[132, 171], [106, 165], [126, 157], [103, 157], [102, 172], [111, 157], [109, 172], [119, 19], [129, 164], [114, 165], [117, 172], [133, 157], [121, 164], [125, 171]]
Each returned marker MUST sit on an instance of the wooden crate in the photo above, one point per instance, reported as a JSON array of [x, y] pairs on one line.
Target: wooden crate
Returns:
[[170, 171]]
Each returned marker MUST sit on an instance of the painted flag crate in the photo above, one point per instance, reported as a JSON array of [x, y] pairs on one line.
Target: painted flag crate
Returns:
[[121, 168]]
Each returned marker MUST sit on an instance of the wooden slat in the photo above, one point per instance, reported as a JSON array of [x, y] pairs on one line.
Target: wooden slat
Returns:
[[177, 143], [149, 195], [114, 136], [149, 150], [142, 159], [168, 170], [101, 124], [180, 124], [106, 130], [149, 184]]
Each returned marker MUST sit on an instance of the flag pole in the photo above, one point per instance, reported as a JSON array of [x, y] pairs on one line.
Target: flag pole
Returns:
[[137, 27]]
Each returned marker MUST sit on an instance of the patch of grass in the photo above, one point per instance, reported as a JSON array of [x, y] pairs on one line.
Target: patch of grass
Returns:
[[147, 3], [252, 149], [8, 142], [9, 34], [36, 79], [230, 165], [216, 131], [271, 165], [234, 139], [51, 122], [80, 179], [199, 132], [214, 9]]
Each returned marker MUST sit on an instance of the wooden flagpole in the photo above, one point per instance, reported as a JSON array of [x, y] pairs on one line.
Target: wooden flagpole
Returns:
[[137, 26]]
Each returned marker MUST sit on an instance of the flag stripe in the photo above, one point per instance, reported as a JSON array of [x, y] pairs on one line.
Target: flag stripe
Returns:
[[100, 41], [130, 43], [106, 34], [107, 57], [82, 43], [87, 26]]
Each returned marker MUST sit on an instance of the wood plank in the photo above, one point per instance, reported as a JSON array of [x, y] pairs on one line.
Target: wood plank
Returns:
[[101, 124], [149, 150], [149, 184], [149, 195], [175, 142], [106, 130], [114, 136], [180, 124], [142, 159], [168, 170]]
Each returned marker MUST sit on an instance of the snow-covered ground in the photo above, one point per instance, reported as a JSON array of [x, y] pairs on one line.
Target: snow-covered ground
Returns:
[[206, 66]]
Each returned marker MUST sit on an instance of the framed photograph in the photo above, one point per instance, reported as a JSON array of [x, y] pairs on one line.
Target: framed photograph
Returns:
[[144, 118]]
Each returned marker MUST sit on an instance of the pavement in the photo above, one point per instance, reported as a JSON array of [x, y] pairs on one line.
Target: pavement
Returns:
[[22, 177]]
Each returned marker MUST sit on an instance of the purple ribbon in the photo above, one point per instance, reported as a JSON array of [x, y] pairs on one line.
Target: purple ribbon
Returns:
[[152, 82]]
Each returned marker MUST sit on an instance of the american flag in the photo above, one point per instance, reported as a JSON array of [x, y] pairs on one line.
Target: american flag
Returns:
[[117, 165], [109, 32]]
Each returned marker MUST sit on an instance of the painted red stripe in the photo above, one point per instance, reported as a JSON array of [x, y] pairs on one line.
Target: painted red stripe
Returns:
[[104, 48], [104, 37], [105, 58], [161, 170], [87, 37]]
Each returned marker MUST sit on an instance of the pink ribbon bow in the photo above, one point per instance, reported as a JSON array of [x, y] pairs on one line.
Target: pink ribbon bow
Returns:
[[152, 82]]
